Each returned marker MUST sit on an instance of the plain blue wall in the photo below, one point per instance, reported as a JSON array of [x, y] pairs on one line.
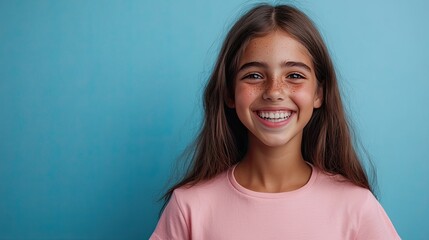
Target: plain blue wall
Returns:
[[98, 98]]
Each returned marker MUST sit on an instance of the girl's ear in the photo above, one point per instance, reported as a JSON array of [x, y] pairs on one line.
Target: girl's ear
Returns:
[[318, 100], [230, 102]]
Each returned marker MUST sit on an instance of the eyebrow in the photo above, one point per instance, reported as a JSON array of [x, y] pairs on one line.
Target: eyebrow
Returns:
[[283, 64]]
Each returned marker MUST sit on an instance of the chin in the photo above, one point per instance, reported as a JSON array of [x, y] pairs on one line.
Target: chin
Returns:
[[274, 142]]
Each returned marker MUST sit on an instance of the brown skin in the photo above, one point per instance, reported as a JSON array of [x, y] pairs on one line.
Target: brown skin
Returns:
[[274, 162]]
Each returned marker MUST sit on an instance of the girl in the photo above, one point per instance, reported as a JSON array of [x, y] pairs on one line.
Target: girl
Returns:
[[274, 159]]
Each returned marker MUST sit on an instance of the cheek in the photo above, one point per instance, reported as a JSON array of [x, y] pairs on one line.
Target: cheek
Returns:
[[294, 88], [302, 95], [246, 94]]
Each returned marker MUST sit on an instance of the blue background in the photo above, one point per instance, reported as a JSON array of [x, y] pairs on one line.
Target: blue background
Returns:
[[98, 98]]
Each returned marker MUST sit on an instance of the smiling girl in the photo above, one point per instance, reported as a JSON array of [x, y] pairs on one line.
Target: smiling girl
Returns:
[[274, 158]]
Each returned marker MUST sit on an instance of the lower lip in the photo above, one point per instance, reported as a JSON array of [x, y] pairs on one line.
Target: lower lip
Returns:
[[274, 124]]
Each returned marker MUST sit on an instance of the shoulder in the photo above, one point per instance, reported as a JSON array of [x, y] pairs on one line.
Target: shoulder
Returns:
[[187, 204], [340, 193], [357, 206], [341, 187], [204, 191]]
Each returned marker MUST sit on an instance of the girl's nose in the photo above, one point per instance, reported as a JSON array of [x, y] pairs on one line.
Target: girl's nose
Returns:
[[274, 91]]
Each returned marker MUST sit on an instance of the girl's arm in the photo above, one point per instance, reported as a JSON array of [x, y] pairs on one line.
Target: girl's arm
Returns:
[[374, 222], [172, 224]]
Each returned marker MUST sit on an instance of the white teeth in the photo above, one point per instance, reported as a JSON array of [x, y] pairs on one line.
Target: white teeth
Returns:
[[275, 116]]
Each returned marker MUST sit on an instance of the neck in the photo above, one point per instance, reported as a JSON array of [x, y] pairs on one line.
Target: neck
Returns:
[[273, 169]]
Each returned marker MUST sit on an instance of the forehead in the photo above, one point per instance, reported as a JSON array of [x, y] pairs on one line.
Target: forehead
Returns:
[[277, 45]]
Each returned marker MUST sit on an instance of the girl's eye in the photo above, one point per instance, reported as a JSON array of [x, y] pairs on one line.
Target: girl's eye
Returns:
[[253, 76], [295, 76]]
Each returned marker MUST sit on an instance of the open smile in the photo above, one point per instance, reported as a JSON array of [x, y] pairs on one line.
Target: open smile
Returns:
[[275, 118]]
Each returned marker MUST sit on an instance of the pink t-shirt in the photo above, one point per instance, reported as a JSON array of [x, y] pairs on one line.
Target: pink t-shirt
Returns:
[[325, 208]]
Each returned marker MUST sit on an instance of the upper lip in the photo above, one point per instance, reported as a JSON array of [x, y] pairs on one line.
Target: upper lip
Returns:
[[273, 109]]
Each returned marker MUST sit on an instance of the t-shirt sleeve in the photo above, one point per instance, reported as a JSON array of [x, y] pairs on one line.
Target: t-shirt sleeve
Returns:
[[374, 222], [172, 225]]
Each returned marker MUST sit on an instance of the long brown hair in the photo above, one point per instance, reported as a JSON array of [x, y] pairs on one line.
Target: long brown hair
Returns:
[[327, 141]]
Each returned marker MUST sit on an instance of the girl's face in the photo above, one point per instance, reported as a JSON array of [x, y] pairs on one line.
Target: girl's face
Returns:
[[276, 89]]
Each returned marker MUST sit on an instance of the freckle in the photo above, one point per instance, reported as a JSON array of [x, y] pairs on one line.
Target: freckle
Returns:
[[294, 88], [282, 85]]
